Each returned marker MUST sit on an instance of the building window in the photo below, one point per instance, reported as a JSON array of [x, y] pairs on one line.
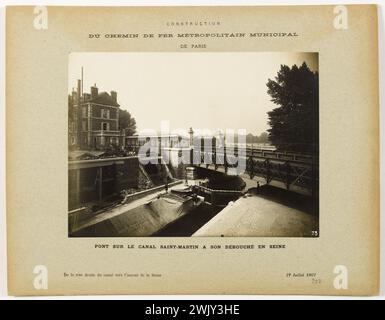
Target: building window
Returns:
[[105, 113], [105, 126], [84, 125], [84, 112]]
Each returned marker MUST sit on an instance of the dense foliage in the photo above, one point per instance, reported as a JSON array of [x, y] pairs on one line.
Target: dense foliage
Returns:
[[127, 122], [294, 124]]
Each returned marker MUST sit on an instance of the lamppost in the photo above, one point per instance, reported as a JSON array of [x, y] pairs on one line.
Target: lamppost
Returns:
[[191, 133]]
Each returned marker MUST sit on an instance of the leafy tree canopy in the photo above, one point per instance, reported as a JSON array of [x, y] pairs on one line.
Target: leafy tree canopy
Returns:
[[262, 138], [294, 124], [127, 122]]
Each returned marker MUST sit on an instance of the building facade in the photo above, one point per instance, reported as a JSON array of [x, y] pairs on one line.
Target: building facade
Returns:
[[93, 119]]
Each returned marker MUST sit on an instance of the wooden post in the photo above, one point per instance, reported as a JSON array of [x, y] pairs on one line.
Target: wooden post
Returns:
[[78, 198], [100, 183], [251, 167], [191, 155], [313, 180], [214, 158], [287, 175], [267, 165]]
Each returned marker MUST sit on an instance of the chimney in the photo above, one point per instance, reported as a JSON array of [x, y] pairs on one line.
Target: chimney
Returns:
[[79, 94], [94, 91], [191, 134], [73, 96], [79, 115], [114, 96]]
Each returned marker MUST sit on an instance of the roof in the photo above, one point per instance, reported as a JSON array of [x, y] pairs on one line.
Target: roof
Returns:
[[104, 98], [84, 154], [136, 136]]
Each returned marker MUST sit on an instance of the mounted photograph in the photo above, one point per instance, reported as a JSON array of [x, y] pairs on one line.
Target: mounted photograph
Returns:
[[200, 144], [189, 150]]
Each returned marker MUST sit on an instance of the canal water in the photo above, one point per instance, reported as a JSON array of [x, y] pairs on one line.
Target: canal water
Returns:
[[186, 225]]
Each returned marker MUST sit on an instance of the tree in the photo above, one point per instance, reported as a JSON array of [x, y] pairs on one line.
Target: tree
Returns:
[[294, 124], [263, 137], [126, 121]]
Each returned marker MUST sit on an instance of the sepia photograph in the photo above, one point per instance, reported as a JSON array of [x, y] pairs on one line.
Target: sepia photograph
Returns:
[[193, 144], [182, 150]]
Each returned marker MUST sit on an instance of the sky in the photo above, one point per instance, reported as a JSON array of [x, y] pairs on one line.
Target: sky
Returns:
[[215, 91]]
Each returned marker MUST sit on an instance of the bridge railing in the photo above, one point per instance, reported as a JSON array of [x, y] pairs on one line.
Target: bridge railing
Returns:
[[254, 152], [218, 197], [292, 171]]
